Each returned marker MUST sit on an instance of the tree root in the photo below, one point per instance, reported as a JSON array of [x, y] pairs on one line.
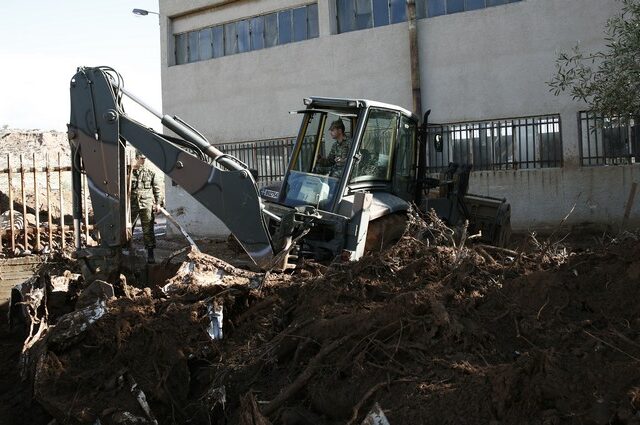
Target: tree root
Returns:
[[303, 378]]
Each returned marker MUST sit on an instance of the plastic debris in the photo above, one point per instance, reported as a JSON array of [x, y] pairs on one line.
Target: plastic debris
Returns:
[[376, 416], [214, 310], [72, 325], [142, 398]]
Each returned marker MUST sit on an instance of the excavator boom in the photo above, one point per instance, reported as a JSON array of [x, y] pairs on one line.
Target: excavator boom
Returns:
[[98, 132]]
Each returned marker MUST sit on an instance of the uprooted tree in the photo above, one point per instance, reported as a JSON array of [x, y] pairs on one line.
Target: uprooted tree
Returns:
[[608, 80]]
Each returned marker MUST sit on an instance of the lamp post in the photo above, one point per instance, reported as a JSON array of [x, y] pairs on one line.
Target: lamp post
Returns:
[[142, 12]]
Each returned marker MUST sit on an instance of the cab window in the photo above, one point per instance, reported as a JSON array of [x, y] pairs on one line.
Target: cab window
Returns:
[[404, 169], [376, 149]]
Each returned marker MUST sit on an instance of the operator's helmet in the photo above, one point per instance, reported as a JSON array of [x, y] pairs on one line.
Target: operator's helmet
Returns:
[[140, 154]]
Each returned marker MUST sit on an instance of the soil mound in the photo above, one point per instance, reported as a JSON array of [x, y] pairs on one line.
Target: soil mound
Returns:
[[434, 330]]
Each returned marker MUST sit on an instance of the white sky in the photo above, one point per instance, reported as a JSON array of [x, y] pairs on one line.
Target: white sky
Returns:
[[42, 42]]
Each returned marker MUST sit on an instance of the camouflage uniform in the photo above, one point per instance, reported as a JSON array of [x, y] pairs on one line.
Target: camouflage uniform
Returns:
[[334, 162], [145, 191]]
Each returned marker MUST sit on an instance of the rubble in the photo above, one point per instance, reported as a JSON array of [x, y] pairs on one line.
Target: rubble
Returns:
[[435, 329]]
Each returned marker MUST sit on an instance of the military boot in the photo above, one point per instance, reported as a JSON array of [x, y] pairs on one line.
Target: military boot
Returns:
[[150, 258]]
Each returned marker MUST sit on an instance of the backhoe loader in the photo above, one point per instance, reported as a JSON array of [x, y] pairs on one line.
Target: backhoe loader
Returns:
[[317, 210]]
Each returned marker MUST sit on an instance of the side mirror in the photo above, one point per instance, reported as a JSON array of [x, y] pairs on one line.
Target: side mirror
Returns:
[[437, 142]]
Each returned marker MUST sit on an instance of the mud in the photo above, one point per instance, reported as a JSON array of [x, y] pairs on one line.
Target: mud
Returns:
[[435, 329]]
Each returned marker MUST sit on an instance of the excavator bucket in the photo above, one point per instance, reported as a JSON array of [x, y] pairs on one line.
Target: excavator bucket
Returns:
[[491, 217]]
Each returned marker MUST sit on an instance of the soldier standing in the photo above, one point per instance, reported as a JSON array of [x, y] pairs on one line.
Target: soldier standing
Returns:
[[146, 199]]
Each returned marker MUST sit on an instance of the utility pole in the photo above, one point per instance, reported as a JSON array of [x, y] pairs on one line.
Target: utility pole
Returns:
[[415, 62]]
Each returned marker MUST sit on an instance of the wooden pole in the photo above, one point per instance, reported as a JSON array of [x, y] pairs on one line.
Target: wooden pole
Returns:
[[49, 219], [415, 58], [36, 204], [61, 192], [11, 214], [24, 202], [1, 231]]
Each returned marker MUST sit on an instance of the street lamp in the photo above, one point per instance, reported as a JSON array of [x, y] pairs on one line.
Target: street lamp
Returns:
[[142, 12]]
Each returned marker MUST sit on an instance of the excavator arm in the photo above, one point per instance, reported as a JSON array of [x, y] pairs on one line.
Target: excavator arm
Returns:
[[98, 132]]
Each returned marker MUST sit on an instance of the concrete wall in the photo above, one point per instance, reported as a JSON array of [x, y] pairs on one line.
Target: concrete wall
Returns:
[[540, 199], [484, 64]]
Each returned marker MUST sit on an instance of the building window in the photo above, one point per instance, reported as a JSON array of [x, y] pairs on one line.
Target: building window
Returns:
[[182, 49], [284, 27], [508, 144], [218, 41], [205, 45], [361, 14], [608, 140], [255, 33], [243, 36], [271, 30], [312, 21]]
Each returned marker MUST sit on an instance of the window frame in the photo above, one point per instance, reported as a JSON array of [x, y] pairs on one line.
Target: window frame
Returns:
[[271, 33]]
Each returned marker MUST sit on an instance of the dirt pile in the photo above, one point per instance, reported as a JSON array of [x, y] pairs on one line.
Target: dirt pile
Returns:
[[434, 330], [28, 142]]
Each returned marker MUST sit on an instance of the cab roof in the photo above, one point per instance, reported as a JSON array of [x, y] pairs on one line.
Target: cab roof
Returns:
[[346, 103]]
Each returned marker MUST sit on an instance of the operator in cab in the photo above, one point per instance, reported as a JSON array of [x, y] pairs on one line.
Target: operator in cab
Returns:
[[146, 200], [334, 163]]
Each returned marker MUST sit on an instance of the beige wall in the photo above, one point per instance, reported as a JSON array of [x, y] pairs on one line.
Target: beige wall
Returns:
[[484, 64]]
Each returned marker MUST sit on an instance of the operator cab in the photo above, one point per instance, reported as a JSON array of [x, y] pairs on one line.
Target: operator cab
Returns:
[[379, 153]]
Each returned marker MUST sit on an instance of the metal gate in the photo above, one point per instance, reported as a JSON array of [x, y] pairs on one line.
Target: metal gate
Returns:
[[36, 195], [35, 204]]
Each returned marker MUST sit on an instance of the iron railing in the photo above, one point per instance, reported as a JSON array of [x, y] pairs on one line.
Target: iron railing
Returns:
[[268, 157], [35, 204], [506, 144], [608, 140]]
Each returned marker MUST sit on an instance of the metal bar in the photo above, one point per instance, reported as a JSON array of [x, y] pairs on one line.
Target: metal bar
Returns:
[[520, 128], [561, 160], [595, 135], [254, 155], [24, 202], [61, 192], [533, 142], [513, 146], [497, 144], [179, 227], [49, 218], [11, 213], [85, 202], [264, 161], [76, 189], [527, 141], [36, 206], [581, 144]]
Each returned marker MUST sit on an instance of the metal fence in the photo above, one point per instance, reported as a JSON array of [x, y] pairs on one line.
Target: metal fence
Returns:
[[506, 144], [268, 157], [36, 194], [35, 204], [608, 140]]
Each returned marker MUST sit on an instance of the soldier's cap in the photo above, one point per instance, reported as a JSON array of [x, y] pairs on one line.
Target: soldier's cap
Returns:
[[337, 124], [140, 155]]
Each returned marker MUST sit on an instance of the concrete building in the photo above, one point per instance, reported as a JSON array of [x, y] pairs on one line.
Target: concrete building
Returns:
[[234, 69]]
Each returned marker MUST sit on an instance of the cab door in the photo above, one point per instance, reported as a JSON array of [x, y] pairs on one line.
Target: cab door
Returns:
[[375, 151], [405, 159]]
